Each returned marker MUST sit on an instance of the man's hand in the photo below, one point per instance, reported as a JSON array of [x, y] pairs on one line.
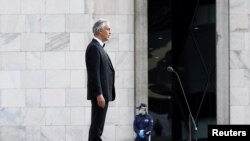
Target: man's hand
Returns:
[[100, 100]]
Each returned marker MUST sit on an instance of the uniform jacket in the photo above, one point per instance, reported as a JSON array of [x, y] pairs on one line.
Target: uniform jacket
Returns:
[[143, 122]]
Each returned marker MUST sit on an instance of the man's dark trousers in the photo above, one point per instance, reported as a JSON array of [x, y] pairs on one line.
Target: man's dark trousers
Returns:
[[98, 116]]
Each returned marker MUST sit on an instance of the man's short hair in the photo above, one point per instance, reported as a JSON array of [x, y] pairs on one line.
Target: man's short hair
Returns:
[[98, 26]]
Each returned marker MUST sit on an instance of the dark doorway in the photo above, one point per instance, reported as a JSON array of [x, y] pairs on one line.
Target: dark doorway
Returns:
[[181, 34]]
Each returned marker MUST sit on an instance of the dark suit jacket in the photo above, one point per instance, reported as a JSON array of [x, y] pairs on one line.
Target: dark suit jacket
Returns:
[[100, 72]]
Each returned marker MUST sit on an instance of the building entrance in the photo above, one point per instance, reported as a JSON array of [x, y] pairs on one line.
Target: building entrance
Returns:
[[181, 34]]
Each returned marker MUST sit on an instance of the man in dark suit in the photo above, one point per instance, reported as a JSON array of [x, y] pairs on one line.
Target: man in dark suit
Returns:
[[101, 78]]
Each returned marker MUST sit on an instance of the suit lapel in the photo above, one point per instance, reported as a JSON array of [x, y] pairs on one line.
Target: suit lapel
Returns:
[[105, 54], [110, 63]]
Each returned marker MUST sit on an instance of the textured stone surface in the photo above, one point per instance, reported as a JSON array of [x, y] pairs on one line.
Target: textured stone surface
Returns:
[[43, 73]]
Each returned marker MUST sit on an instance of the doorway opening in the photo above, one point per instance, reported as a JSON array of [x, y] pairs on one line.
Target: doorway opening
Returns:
[[181, 34]]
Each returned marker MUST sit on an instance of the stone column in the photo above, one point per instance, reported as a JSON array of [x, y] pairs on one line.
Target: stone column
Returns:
[[222, 61], [141, 52]]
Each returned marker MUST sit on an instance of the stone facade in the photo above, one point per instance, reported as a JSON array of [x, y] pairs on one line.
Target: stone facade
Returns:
[[43, 73], [239, 62]]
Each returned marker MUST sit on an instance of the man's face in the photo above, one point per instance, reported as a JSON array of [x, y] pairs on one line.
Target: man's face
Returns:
[[105, 32]]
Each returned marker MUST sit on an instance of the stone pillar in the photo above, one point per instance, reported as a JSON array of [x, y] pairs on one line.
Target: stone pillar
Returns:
[[141, 52], [222, 61]]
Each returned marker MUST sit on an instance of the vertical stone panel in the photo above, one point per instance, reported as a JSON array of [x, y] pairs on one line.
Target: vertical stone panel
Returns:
[[239, 62]]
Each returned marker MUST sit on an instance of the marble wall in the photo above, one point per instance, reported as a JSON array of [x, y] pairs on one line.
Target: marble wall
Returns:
[[239, 61], [43, 73]]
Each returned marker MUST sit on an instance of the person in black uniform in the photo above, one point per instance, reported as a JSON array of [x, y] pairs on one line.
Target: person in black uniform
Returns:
[[143, 124], [101, 78]]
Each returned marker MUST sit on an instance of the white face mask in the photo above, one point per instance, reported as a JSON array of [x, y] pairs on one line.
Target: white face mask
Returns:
[[142, 111]]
